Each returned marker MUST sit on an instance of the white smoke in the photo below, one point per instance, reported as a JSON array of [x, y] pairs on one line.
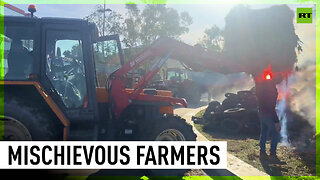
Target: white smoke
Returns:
[[230, 84], [303, 95], [282, 108], [296, 107]]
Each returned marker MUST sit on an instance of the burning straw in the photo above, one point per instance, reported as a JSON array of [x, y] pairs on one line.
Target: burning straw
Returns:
[[257, 38]]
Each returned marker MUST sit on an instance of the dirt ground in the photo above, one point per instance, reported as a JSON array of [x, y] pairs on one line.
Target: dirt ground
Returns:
[[296, 161]]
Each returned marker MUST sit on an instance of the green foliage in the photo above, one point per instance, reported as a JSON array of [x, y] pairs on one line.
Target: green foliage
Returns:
[[132, 26], [67, 54], [141, 27], [200, 113], [138, 28], [76, 50], [212, 39], [158, 20], [114, 25], [108, 24]]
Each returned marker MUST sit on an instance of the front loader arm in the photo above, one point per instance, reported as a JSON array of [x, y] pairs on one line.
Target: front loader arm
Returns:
[[149, 75], [195, 58], [122, 98]]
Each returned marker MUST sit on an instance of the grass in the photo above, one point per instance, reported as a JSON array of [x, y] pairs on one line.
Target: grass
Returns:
[[246, 148], [200, 113]]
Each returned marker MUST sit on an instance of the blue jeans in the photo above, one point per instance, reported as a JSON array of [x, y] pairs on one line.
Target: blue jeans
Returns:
[[268, 128]]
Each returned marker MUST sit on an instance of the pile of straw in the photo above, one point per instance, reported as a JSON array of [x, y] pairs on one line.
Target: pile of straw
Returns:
[[255, 39]]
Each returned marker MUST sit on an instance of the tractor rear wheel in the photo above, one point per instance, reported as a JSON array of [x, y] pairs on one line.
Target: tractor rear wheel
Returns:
[[15, 131], [22, 123]]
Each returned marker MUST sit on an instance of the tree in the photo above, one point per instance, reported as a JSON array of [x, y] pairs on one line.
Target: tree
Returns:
[[158, 20], [212, 39], [140, 28], [132, 26], [67, 54], [76, 50], [112, 22]]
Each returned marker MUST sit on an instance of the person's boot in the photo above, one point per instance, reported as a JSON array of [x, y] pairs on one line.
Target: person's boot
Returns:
[[273, 159], [263, 156]]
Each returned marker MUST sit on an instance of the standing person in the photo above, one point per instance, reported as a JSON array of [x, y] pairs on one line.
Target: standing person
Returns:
[[267, 95]]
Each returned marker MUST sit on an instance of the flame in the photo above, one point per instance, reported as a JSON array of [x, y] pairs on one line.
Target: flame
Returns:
[[283, 94], [268, 77]]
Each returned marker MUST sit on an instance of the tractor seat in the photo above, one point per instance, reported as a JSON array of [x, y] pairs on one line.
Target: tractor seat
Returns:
[[18, 61]]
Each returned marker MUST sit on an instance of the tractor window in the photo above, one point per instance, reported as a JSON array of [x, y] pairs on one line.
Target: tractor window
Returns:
[[173, 76], [107, 59], [17, 43], [184, 76], [65, 66]]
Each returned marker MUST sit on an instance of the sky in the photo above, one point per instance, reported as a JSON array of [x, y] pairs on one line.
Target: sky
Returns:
[[204, 16]]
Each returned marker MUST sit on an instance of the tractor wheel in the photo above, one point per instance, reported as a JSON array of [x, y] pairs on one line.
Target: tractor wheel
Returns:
[[231, 125], [22, 123], [171, 128], [15, 131]]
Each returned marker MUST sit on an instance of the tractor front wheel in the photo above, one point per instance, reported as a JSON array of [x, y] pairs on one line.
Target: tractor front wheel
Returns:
[[171, 128]]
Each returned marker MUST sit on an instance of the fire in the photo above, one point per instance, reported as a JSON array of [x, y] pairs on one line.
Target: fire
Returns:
[[268, 77], [268, 73], [283, 94]]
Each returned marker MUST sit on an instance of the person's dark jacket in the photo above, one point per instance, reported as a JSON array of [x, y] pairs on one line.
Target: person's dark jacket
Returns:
[[267, 95]]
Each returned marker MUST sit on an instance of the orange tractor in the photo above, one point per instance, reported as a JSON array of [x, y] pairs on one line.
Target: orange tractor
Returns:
[[50, 89]]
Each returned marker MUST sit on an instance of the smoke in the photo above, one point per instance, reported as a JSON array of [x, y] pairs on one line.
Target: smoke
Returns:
[[296, 107], [303, 95], [282, 109], [296, 102], [256, 40], [230, 83]]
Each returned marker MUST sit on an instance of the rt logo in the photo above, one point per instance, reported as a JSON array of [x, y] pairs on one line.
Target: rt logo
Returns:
[[304, 15]]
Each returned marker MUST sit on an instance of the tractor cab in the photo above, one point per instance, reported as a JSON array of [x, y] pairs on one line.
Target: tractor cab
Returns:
[[176, 75], [62, 81], [52, 61]]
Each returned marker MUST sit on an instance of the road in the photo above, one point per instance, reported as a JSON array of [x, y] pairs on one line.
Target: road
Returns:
[[186, 113], [236, 167]]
